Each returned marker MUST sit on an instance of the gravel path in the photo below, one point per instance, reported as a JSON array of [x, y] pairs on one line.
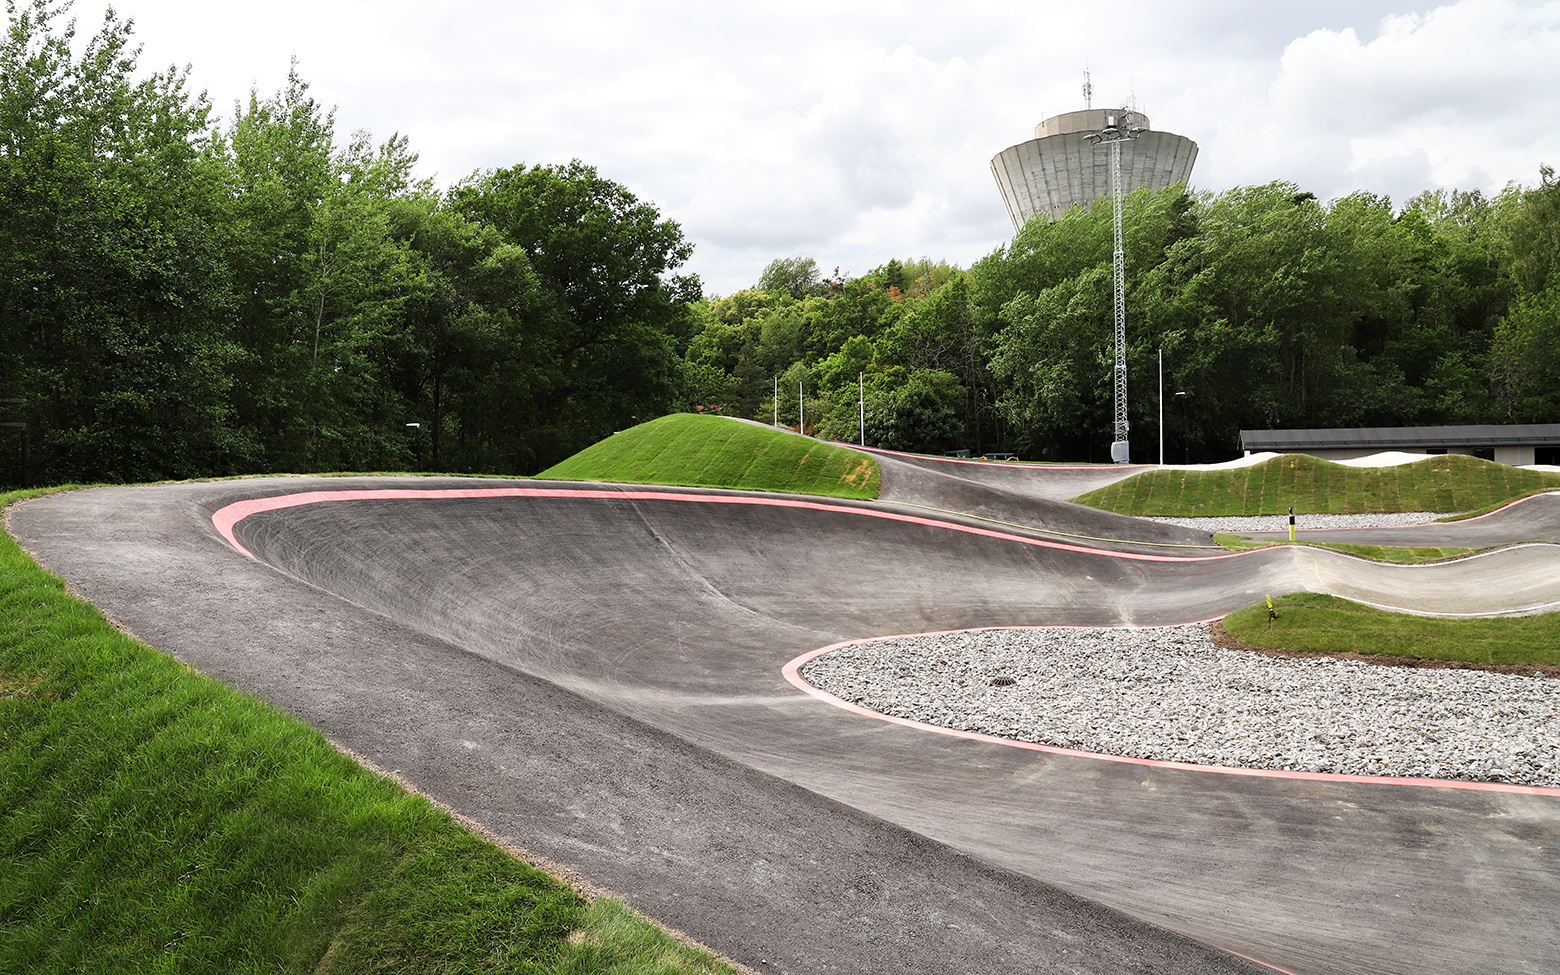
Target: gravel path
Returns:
[[1171, 694], [1281, 522]]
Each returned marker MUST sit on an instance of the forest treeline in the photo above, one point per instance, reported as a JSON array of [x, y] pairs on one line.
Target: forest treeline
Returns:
[[179, 298], [184, 296], [1271, 309]]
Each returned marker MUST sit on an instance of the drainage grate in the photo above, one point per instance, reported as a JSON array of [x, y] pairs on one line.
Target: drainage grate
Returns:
[[1003, 682]]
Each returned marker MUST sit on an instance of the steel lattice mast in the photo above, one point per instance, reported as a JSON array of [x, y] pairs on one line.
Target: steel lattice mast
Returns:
[[1121, 307], [1118, 128]]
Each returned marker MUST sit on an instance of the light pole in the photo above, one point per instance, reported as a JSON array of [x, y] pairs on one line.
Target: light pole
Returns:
[[416, 430], [1186, 426], [1119, 127], [861, 379]]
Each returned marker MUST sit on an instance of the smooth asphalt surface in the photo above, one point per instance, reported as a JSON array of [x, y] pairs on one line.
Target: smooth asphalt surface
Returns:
[[594, 672], [1532, 519]]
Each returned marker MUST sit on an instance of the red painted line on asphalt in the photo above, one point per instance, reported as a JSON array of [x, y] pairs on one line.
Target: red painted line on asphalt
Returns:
[[792, 673], [1254, 961], [227, 518]]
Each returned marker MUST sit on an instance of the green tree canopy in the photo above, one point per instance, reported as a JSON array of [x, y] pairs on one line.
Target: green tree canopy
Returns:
[[794, 276]]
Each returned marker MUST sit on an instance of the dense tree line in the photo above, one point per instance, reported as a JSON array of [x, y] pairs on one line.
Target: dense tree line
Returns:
[[1271, 308], [179, 298], [185, 297]]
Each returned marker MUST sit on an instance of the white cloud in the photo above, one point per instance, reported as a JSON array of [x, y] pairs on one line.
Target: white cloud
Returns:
[[859, 132], [1449, 97]]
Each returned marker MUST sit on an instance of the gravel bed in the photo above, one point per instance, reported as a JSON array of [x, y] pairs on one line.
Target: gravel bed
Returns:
[[1261, 523], [1171, 694]]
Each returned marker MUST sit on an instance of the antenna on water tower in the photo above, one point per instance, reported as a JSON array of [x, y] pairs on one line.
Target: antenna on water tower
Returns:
[[1088, 89]]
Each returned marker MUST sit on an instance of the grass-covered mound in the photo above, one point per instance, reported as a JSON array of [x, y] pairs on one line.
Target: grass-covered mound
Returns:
[[1314, 623], [1448, 482], [152, 819], [712, 451]]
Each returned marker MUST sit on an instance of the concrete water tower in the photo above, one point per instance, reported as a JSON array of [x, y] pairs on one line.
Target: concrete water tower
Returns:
[[1058, 168]]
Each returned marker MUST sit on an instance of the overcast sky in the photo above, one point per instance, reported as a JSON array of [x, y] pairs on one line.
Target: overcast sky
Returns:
[[858, 132]]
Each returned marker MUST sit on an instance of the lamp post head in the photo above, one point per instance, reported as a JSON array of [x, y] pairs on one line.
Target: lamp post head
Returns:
[[1119, 127]]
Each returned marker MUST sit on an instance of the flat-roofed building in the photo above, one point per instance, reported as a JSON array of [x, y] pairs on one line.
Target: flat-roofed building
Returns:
[[1517, 444], [1058, 169]]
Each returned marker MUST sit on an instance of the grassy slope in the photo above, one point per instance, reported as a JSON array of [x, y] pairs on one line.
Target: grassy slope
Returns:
[[154, 819], [712, 451], [1451, 482], [1313, 623], [1323, 624]]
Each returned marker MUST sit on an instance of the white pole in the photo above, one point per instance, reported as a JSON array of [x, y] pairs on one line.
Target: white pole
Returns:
[[777, 402], [801, 412], [1161, 407], [862, 379]]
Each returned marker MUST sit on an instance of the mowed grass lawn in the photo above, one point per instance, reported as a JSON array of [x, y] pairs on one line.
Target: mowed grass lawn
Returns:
[[155, 820], [709, 451], [1445, 483], [1312, 623], [1316, 623]]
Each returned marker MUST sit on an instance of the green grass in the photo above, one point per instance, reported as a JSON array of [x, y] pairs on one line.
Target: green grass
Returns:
[[616, 940], [711, 451], [1450, 482], [155, 820], [1398, 553], [1314, 623], [1379, 553]]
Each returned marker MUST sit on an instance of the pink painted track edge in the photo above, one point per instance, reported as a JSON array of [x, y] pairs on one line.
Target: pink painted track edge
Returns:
[[225, 519], [792, 673], [228, 517]]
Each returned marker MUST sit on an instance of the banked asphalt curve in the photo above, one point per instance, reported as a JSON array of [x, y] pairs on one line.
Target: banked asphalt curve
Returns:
[[595, 673]]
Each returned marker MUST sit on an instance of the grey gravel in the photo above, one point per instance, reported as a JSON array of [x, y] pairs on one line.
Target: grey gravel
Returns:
[[1171, 694], [1281, 522]]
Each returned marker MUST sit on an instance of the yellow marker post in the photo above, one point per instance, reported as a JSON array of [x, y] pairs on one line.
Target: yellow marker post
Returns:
[[1291, 532]]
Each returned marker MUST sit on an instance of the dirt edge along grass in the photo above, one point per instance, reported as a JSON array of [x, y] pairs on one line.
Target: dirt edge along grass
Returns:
[[691, 450], [152, 818], [1442, 483]]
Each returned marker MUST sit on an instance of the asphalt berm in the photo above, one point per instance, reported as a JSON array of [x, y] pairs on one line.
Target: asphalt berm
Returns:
[[593, 672]]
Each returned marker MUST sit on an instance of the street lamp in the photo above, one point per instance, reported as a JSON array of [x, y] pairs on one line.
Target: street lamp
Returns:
[[1119, 128], [1186, 425], [415, 429]]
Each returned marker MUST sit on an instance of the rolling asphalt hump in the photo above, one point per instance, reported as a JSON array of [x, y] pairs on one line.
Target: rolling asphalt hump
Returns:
[[594, 672]]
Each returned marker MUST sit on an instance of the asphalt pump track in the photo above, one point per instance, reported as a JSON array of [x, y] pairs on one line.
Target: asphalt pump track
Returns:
[[596, 674]]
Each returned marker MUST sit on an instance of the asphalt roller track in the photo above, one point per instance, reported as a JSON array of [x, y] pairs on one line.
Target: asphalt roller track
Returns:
[[596, 673]]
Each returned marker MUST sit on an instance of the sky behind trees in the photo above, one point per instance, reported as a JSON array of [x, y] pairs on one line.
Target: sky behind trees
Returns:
[[855, 133]]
